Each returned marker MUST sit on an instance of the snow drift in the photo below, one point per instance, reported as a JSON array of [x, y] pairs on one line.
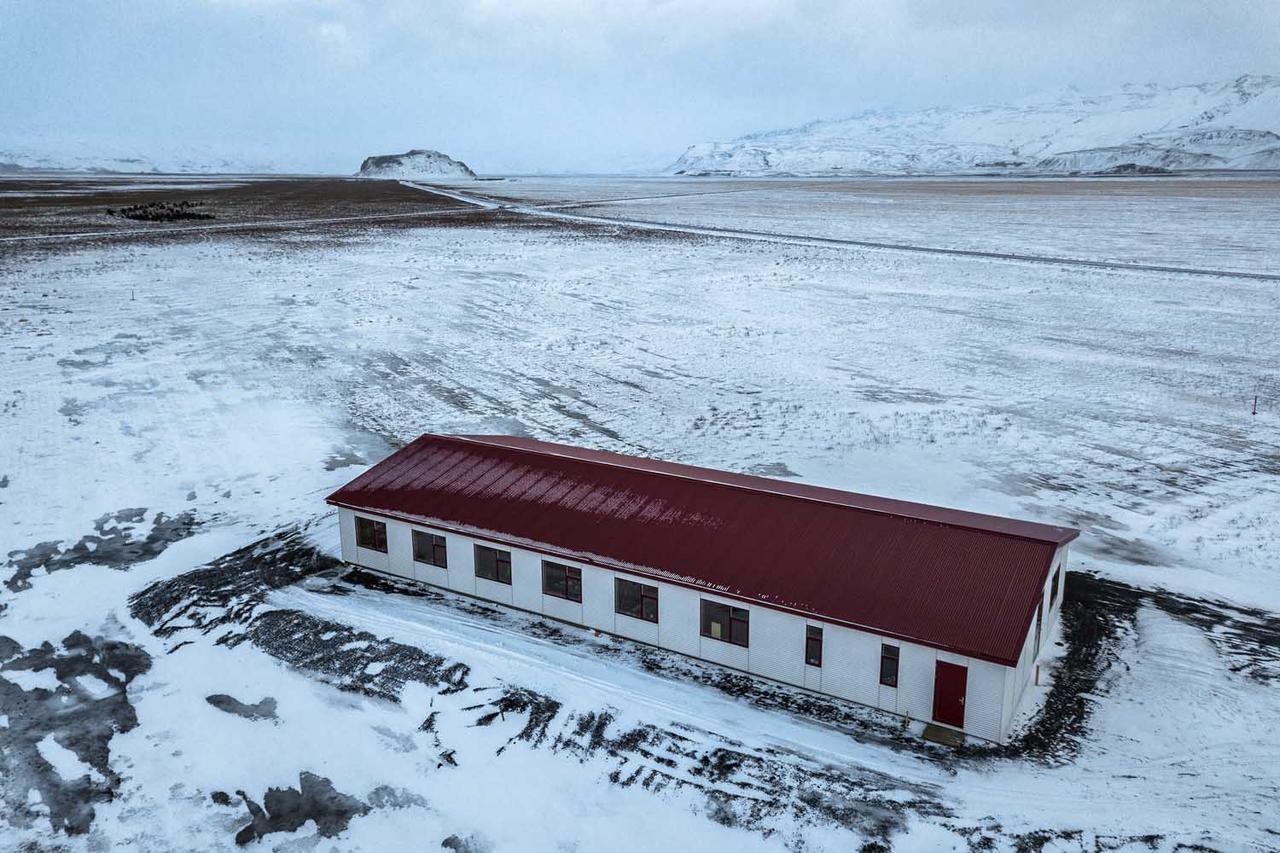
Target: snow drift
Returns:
[[417, 163], [1226, 125]]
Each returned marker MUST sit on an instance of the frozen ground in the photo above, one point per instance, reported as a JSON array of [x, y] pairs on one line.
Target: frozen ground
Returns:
[[1221, 223], [174, 409]]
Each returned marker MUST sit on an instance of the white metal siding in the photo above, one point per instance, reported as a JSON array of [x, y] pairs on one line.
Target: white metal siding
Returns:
[[851, 664], [813, 677], [851, 658], [638, 629], [526, 580], [888, 698], [678, 619], [1017, 681], [916, 666], [777, 645], [433, 575], [493, 591], [984, 699], [400, 550], [347, 534], [597, 599], [569, 611], [462, 563], [372, 559]]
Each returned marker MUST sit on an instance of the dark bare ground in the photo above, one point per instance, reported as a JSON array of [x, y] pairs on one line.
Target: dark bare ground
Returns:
[[74, 716], [32, 207], [115, 544], [33, 210], [263, 709], [287, 809]]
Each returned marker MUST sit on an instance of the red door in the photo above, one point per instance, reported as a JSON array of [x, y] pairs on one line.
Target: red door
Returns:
[[949, 684]]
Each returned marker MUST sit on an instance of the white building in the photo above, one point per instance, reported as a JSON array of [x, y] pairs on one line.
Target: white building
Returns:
[[929, 613]]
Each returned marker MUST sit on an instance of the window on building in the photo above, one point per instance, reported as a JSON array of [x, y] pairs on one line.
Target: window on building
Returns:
[[493, 564], [813, 645], [1053, 587], [371, 534], [561, 581], [888, 665], [635, 599], [723, 622], [429, 548]]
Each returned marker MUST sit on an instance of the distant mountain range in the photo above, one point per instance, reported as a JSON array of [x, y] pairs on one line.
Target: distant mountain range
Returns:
[[1137, 129], [417, 163], [26, 149]]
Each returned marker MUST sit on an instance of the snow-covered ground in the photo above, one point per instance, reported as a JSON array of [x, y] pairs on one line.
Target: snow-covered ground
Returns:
[[174, 404], [1219, 223]]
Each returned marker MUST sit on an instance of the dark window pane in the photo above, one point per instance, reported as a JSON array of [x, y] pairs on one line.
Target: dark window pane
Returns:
[[722, 622], [813, 646], [552, 579], [649, 607], [889, 665], [637, 600], [715, 620], [561, 581], [371, 534], [626, 597], [493, 565], [429, 548]]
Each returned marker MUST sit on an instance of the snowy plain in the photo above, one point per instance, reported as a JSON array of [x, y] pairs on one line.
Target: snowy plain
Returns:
[[168, 402]]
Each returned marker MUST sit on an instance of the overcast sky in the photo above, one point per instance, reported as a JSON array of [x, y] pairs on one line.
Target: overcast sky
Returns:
[[570, 85]]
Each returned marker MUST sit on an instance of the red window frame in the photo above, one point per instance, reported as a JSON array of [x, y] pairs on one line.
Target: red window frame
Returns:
[[371, 534]]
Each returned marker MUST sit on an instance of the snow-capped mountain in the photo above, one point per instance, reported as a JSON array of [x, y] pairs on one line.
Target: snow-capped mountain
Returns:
[[417, 163], [46, 149], [1225, 125]]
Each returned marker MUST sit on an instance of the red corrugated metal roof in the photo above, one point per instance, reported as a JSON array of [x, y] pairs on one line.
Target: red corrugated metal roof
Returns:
[[954, 580]]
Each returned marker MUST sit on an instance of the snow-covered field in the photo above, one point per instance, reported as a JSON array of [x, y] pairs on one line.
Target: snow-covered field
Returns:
[[174, 404], [1192, 222]]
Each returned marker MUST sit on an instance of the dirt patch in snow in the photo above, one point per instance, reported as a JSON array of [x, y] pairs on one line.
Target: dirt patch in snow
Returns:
[[223, 596], [351, 659], [225, 599], [287, 809], [80, 704], [116, 543], [264, 709]]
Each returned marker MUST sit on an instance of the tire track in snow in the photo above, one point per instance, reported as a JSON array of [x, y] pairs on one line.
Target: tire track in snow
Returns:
[[557, 212]]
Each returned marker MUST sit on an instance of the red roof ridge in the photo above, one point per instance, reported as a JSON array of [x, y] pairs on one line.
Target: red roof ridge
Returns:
[[965, 519]]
